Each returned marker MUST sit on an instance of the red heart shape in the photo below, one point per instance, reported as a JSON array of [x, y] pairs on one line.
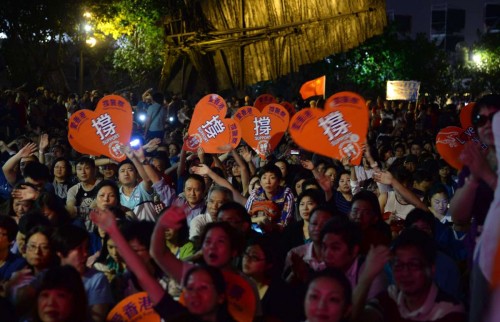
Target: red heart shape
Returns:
[[263, 100], [262, 131], [209, 129], [335, 132], [349, 99], [101, 132], [289, 107]]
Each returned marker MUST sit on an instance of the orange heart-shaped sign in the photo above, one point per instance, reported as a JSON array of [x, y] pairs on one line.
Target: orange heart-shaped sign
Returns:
[[263, 100], [466, 115], [136, 307], [450, 143], [209, 129], [449, 146], [289, 107], [349, 99], [103, 131], [334, 132], [262, 131]]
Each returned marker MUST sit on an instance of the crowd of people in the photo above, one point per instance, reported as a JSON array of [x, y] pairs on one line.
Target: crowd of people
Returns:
[[234, 237]]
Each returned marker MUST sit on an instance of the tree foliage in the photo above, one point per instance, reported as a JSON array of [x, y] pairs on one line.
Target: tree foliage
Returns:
[[136, 28], [387, 57], [484, 68], [36, 31]]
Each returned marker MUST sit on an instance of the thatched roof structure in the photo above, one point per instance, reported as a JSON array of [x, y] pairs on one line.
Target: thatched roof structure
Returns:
[[234, 43]]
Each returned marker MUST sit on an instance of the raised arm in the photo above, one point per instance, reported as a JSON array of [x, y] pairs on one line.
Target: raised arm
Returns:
[[374, 264], [324, 182], [245, 174], [105, 219], [10, 166], [246, 154], [42, 147], [386, 177], [138, 158], [203, 169], [172, 218]]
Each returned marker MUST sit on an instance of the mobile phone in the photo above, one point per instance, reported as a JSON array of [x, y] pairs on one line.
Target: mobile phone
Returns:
[[294, 152], [135, 143], [257, 228]]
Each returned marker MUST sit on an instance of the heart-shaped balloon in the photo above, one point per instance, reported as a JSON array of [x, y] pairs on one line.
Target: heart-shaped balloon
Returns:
[[450, 143], [209, 129], [103, 131], [262, 131], [263, 100], [335, 132]]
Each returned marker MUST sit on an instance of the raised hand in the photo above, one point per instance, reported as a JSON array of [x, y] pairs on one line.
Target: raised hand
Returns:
[[173, 217], [201, 169], [375, 261], [27, 150], [128, 151], [104, 219], [139, 153], [384, 177], [44, 142], [152, 144], [246, 154], [346, 161], [25, 193]]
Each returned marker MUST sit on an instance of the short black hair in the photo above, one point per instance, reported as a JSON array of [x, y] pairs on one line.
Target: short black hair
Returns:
[[348, 231], [420, 215], [30, 220], [37, 171], [68, 238], [198, 178], [138, 230], [86, 161], [372, 199], [239, 209], [419, 239], [9, 224], [270, 168]]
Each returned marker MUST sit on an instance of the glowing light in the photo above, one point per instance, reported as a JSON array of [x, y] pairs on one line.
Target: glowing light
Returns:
[[87, 27], [91, 41], [87, 15], [477, 59]]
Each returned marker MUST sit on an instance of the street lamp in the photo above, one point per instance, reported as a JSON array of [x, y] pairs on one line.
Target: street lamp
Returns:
[[85, 30]]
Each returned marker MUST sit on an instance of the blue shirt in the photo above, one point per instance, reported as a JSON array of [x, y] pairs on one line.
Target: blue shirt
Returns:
[[139, 195]]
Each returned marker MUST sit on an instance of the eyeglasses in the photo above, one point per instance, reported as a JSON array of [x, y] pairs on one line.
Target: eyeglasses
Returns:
[[44, 248], [253, 258], [412, 266], [480, 120]]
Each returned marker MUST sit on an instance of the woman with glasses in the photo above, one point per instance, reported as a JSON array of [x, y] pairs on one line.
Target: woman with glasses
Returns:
[[40, 256]]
